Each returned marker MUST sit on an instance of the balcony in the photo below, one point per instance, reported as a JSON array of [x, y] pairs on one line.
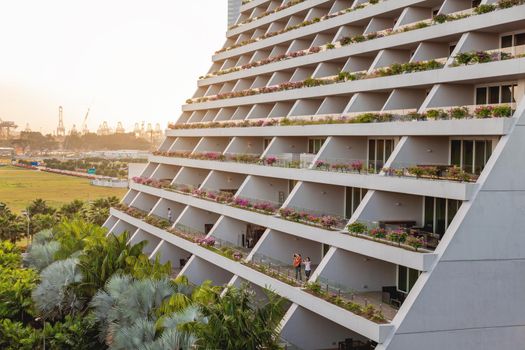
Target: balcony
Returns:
[[416, 260], [402, 234], [373, 330], [406, 119]]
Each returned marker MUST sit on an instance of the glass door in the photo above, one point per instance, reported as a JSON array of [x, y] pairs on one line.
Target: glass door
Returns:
[[379, 150]]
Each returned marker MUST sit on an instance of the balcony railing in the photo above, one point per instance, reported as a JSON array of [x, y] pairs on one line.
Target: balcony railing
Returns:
[[323, 219], [502, 54], [399, 115], [401, 233], [369, 303], [429, 171]]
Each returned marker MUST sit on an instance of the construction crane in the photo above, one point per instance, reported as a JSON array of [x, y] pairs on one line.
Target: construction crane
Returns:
[[120, 129], [104, 129], [85, 129], [5, 129], [61, 130]]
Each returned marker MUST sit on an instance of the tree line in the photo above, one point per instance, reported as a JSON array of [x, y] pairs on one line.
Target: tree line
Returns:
[[36, 141], [39, 215]]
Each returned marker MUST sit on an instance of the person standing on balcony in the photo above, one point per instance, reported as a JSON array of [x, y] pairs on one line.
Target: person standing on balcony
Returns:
[[297, 261], [169, 215], [307, 267]]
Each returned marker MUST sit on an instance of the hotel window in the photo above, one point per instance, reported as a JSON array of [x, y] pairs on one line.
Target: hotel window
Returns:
[[438, 214], [353, 197], [379, 150], [470, 155], [291, 185], [512, 40], [314, 145], [406, 278], [266, 142], [495, 94]]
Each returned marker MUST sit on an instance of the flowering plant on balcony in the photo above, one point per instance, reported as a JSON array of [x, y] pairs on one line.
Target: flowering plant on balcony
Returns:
[[198, 192], [241, 202], [266, 207], [136, 213], [243, 158], [206, 242], [458, 174], [325, 221], [341, 167], [377, 233], [357, 166], [237, 255], [182, 188], [328, 221], [483, 112], [415, 242], [321, 164], [224, 197], [149, 182], [270, 160], [157, 222], [397, 236]]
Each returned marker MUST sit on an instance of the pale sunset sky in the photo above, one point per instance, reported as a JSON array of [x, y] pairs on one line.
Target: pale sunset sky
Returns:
[[129, 60]]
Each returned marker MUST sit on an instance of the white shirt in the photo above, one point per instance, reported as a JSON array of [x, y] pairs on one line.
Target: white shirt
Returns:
[[307, 265]]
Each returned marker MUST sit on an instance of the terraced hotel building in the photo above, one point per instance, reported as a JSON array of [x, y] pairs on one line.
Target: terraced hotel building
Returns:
[[385, 140]]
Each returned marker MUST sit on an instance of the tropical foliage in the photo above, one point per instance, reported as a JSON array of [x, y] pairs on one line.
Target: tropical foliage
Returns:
[[77, 289]]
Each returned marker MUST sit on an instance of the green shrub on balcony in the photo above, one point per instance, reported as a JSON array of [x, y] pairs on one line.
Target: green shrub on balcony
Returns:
[[356, 228], [459, 113], [484, 8], [502, 111]]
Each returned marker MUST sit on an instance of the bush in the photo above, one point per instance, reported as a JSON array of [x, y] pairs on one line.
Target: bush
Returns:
[[502, 111], [436, 114], [483, 112], [504, 4], [357, 227], [459, 113], [441, 18], [486, 8]]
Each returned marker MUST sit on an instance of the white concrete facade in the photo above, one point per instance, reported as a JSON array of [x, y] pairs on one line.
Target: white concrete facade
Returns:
[[452, 187]]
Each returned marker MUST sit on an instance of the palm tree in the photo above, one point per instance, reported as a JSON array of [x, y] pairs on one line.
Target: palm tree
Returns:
[[106, 258], [98, 210], [39, 206], [11, 227], [130, 317], [72, 209], [238, 322], [75, 235], [53, 297]]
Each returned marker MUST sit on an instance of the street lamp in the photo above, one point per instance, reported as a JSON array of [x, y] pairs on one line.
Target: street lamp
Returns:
[[26, 214]]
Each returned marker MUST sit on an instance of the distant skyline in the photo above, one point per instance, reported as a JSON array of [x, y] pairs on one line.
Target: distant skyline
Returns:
[[129, 60]]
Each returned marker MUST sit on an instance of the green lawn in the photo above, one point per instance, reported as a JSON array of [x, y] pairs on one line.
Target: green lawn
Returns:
[[18, 187]]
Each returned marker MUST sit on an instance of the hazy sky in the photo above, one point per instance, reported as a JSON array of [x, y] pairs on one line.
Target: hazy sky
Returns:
[[130, 60]]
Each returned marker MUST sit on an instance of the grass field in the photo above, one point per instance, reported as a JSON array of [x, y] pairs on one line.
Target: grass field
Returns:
[[18, 187]]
